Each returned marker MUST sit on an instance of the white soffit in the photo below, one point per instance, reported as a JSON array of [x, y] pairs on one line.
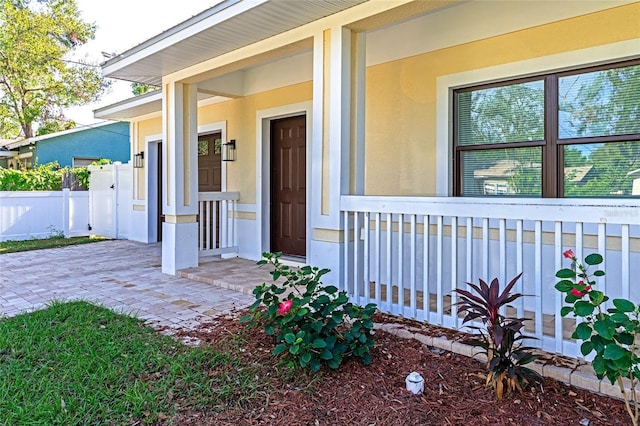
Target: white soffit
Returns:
[[229, 26]]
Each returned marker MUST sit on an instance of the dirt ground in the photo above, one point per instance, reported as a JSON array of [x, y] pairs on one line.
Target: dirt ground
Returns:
[[455, 392]]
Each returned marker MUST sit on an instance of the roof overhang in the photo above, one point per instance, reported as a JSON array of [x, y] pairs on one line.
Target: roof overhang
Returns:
[[127, 109], [33, 140], [8, 154], [143, 105], [228, 26]]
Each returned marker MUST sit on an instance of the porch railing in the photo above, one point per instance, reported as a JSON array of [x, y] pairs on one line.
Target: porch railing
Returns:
[[217, 223], [408, 254]]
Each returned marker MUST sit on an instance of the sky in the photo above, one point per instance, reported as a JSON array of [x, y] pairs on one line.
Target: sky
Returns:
[[121, 25]]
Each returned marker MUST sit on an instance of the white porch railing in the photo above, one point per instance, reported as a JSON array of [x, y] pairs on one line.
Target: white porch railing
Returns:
[[471, 238], [217, 223]]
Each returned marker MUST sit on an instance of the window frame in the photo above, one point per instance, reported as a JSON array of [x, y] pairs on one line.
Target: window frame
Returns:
[[552, 146]]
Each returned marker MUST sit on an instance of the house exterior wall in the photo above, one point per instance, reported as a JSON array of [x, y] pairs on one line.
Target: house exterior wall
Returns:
[[407, 66], [110, 141], [240, 117], [140, 131], [401, 94]]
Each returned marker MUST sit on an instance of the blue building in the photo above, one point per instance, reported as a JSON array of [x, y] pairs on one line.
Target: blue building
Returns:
[[75, 147]]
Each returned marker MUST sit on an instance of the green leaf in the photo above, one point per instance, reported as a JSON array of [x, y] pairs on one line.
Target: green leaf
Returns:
[[583, 308], [564, 286], [279, 349], [613, 352], [624, 305], [605, 328], [305, 359], [566, 273], [597, 297], [331, 289], [294, 349], [333, 364], [326, 354], [316, 326], [598, 273], [624, 338], [566, 310], [599, 366], [583, 331], [314, 365], [593, 259], [620, 318], [586, 348], [289, 338], [319, 344], [246, 318]]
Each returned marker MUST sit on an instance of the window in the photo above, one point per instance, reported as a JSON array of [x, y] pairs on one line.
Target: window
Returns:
[[83, 161], [570, 134]]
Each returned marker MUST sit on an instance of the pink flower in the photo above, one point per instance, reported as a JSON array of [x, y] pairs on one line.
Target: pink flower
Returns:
[[285, 307], [569, 254]]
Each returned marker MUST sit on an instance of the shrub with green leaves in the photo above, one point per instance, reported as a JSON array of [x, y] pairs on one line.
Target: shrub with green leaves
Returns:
[[45, 177], [611, 333], [501, 337], [313, 324]]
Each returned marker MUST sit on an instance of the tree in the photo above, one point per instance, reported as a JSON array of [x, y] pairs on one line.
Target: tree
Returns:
[[141, 88], [37, 80]]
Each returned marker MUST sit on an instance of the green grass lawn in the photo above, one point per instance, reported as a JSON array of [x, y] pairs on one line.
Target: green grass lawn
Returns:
[[79, 364], [36, 244]]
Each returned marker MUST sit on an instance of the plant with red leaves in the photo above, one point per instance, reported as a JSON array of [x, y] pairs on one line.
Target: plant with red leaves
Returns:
[[501, 337]]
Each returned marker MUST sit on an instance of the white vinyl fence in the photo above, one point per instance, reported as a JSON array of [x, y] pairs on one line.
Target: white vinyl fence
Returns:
[[408, 254], [41, 214], [103, 210]]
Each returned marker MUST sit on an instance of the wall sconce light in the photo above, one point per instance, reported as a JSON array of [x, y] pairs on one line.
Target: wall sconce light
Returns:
[[229, 151], [138, 160]]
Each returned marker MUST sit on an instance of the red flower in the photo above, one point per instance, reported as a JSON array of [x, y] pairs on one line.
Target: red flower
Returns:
[[569, 254], [285, 307], [578, 293]]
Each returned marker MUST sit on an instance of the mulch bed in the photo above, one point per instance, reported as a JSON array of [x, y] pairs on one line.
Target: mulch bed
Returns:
[[376, 394]]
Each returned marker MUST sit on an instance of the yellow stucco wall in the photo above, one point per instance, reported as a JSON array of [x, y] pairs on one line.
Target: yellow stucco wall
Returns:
[[140, 131], [401, 95], [240, 115]]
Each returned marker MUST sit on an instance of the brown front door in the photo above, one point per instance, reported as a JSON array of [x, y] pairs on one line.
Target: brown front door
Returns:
[[209, 163], [288, 186]]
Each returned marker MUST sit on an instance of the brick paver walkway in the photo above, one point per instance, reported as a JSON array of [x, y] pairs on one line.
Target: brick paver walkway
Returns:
[[122, 275]]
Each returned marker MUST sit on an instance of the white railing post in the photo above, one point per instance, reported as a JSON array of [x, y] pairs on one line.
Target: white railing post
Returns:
[[66, 208], [217, 223]]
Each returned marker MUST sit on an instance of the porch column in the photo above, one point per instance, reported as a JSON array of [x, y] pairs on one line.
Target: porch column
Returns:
[[180, 178], [338, 141]]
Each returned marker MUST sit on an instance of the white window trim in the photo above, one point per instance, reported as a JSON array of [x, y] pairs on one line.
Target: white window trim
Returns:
[[445, 85]]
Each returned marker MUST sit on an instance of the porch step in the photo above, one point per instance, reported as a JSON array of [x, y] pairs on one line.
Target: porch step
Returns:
[[236, 274]]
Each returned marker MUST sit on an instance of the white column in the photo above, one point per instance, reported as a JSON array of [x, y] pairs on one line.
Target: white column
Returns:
[[338, 140], [180, 177]]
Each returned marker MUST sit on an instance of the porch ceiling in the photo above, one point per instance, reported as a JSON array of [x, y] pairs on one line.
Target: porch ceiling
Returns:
[[228, 26]]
